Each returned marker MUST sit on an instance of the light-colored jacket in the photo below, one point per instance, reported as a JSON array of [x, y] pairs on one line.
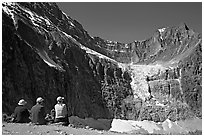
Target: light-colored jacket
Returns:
[[60, 110]]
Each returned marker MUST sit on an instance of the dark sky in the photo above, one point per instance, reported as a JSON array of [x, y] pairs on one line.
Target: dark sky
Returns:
[[129, 21]]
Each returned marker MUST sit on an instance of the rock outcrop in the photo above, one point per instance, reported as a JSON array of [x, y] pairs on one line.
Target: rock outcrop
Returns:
[[47, 53]]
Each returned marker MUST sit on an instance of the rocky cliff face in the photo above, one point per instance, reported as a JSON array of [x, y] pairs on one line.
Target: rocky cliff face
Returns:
[[162, 69], [47, 53], [39, 59]]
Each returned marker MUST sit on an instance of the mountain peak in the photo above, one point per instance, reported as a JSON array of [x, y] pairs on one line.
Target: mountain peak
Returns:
[[183, 25]]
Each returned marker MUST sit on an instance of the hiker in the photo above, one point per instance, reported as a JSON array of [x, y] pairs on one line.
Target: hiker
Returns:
[[61, 114], [38, 112], [21, 113]]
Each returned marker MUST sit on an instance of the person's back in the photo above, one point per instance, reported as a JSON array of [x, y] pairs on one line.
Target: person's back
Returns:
[[21, 113], [60, 110], [38, 113], [61, 114]]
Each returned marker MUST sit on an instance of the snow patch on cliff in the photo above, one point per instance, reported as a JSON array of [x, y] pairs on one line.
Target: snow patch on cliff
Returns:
[[68, 18], [139, 82], [5, 7], [88, 50], [49, 61], [161, 30]]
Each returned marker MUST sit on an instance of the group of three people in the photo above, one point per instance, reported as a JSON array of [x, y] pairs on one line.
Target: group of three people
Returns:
[[37, 115]]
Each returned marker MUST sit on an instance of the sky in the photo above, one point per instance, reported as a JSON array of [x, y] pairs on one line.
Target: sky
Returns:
[[128, 21]]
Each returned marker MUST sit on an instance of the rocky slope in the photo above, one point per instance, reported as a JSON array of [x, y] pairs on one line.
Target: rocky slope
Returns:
[[47, 53]]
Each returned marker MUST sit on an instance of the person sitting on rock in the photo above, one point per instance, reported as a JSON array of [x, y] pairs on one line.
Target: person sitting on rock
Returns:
[[61, 114], [38, 112], [21, 113]]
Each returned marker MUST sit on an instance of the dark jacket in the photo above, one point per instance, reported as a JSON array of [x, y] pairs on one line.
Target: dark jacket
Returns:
[[21, 114], [38, 114]]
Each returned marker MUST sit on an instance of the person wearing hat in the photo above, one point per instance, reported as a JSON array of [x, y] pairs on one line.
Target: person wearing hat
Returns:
[[38, 112], [61, 114], [21, 113]]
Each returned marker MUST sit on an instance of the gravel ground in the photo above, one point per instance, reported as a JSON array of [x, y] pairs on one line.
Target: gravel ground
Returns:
[[29, 129]]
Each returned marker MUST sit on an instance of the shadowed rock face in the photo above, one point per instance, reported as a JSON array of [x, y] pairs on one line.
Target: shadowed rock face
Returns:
[[47, 53], [39, 59]]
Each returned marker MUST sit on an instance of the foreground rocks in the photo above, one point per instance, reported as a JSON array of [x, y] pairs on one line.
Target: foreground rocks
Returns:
[[149, 127], [25, 129], [90, 126]]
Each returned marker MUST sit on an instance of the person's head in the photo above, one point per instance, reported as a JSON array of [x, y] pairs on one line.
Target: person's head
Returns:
[[22, 102], [60, 99], [39, 100]]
